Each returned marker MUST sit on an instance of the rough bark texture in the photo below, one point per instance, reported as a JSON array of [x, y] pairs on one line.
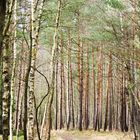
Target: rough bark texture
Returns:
[[108, 92], [12, 86], [6, 89], [2, 19], [87, 92], [94, 86], [32, 77], [99, 80], [56, 95]]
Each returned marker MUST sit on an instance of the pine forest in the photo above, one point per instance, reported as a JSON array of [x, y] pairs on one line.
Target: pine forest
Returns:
[[69, 70]]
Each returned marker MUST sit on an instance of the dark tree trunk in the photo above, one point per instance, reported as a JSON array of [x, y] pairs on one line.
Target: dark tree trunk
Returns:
[[123, 123], [81, 88], [2, 22]]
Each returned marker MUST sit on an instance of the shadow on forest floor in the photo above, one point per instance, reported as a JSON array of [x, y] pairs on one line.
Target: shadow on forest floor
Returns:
[[90, 135]]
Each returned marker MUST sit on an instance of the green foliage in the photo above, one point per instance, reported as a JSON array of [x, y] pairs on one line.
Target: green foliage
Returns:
[[14, 138], [117, 4], [20, 133], [75, 5], [102, 36]]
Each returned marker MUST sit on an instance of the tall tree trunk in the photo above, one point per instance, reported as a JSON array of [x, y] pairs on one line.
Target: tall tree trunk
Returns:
[[99, 80], [6, 69], [94, 87], [6, 89], [32, 76], [12, 89], [61, 91], [108, 92], [80, 73], [56, 95], [69, 92], [87, 92], [19, 89], [53, 63], [2, 22], [71, 83], [117, 106]]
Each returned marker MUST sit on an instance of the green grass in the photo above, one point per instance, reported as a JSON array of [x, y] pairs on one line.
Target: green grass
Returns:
[[20, 138]]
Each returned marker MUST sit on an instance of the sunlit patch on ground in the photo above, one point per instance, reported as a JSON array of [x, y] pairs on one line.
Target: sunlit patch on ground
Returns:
[[90, 135]]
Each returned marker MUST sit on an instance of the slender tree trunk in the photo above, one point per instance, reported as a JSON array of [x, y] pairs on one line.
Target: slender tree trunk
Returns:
[[71, 83], [18, 94], [6, 70], [110, 106], [32, 76], [117, 109], [87, 92], [94, 87], [56, 95], [53, 63], [26, 93], [80, 74], [69, 92], [108, 90], [12, 89], [61, 94], [2, 22], [99, 79], [6, 89]]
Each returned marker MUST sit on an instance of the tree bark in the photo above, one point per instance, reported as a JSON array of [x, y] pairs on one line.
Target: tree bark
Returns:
[[87, 92], [2, 22], [12, 89], [108, 92]]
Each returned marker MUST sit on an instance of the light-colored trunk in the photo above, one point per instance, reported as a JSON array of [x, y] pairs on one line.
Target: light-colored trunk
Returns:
[[52, 68], [6, 70], [43, 121], [6, 90], [32, 77], [13, 76]]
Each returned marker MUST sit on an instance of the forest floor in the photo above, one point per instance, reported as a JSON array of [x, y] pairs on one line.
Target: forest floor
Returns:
[[90, 135], [86, 135]]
